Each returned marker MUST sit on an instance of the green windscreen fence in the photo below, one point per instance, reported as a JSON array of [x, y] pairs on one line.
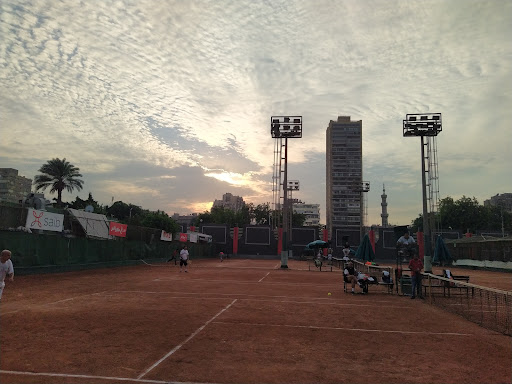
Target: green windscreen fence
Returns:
[[32, 253]]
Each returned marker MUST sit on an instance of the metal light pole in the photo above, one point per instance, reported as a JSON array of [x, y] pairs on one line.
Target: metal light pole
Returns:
[[424, 124], [285, 127]]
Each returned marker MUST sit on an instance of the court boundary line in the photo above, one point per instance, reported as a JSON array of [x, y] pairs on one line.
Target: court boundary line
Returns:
[[345, 329], [52, 303], [172, 351], [247, 282], [78, 376], [313, 299], [260, 280]]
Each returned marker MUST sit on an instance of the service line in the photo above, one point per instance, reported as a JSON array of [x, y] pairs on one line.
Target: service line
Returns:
[[186, 341], [260, 280]]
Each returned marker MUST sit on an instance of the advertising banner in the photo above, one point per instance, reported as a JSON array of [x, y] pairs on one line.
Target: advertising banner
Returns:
[[183, 237], [166, 236], [117, 229], [44, 220], [193, 237]]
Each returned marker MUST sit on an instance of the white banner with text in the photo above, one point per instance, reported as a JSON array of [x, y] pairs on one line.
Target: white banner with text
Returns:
[[44, 220]]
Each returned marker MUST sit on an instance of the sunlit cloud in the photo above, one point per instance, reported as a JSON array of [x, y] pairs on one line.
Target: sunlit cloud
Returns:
[[168, 104]]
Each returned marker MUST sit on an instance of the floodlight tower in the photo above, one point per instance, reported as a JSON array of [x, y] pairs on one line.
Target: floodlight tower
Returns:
[[362, 188], [429, 125], [285, 127]]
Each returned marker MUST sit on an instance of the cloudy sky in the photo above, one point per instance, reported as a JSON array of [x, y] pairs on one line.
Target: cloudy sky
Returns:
[[167, 104]]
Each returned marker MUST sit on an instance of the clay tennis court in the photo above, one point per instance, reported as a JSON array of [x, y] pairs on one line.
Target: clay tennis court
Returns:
[[240, 321]]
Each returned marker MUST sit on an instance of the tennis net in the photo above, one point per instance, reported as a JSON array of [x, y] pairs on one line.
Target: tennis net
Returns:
[[490, 308]]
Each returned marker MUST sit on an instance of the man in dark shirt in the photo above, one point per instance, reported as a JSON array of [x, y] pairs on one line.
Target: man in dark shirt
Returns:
[[415, 265], [350, 275]]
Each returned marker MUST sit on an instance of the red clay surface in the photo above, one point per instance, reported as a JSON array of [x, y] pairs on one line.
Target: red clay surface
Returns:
[[240, 321]]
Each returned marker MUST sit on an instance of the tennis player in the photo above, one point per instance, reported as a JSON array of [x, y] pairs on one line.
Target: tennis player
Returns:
[[184, 258], [6, 269]]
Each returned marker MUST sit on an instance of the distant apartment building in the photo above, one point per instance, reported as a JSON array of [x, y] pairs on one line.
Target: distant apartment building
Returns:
[[234, 203], [344, 203], [184, 220], [13, 187], [310, 211], [504, 200]]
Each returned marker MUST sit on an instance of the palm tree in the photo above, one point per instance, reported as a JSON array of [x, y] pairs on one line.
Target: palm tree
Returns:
[[59, 175]]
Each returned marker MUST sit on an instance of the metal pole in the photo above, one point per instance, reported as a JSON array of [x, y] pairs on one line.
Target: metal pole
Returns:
[[427, 259], [284, 252]]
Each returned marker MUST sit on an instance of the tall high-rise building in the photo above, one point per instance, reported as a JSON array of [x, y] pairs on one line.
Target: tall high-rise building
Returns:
[[344, 180]]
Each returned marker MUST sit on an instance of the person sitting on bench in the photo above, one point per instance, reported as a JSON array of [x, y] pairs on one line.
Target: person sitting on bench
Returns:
[[350, 275]]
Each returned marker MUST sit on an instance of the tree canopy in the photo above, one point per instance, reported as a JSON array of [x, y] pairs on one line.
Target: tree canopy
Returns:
[[58, 175], [467, 214]]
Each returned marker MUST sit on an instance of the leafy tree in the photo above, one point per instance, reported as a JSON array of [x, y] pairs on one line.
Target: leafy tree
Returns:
[[58, 175], [127, 213], [81, 204], [260, 213], [160, 220], [467, 214]]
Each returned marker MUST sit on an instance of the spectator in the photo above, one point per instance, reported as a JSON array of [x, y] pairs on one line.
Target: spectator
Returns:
[[350, 276], [406, 245], [415, 265], [346, 252]]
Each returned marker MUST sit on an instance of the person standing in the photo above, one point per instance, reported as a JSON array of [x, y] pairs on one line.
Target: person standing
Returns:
[[6, 269], [415, 265], [184, 258], [346, 252]]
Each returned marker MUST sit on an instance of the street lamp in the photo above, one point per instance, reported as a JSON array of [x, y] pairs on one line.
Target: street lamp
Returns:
[[423, 124], [285, 127]]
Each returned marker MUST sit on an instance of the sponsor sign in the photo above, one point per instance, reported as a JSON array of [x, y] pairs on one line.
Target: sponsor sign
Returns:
[[183, 237], [166, 236], [44, 220], [117, 229], [193, 237]]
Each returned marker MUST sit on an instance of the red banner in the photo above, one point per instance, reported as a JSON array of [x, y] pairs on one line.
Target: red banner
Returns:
[[421, 244], [183, 237], [117, 229], [192, 228], [235, 240], [326, 239]]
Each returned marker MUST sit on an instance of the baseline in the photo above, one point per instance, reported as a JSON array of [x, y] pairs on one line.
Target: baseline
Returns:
[[345, 329]]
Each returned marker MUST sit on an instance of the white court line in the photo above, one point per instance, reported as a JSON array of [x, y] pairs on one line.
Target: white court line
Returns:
[[245, 282], [83, 376], [330, 299], [51, 303], [314, 301], [345, 329], [278, 266], [260, 280], [187, 340]]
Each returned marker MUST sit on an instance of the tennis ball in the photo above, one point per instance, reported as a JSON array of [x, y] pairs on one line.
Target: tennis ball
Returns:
[[329, 294]]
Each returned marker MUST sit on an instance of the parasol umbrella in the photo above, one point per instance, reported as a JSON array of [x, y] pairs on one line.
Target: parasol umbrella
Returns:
[[441, 252], [365, 250], [318, 244]]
